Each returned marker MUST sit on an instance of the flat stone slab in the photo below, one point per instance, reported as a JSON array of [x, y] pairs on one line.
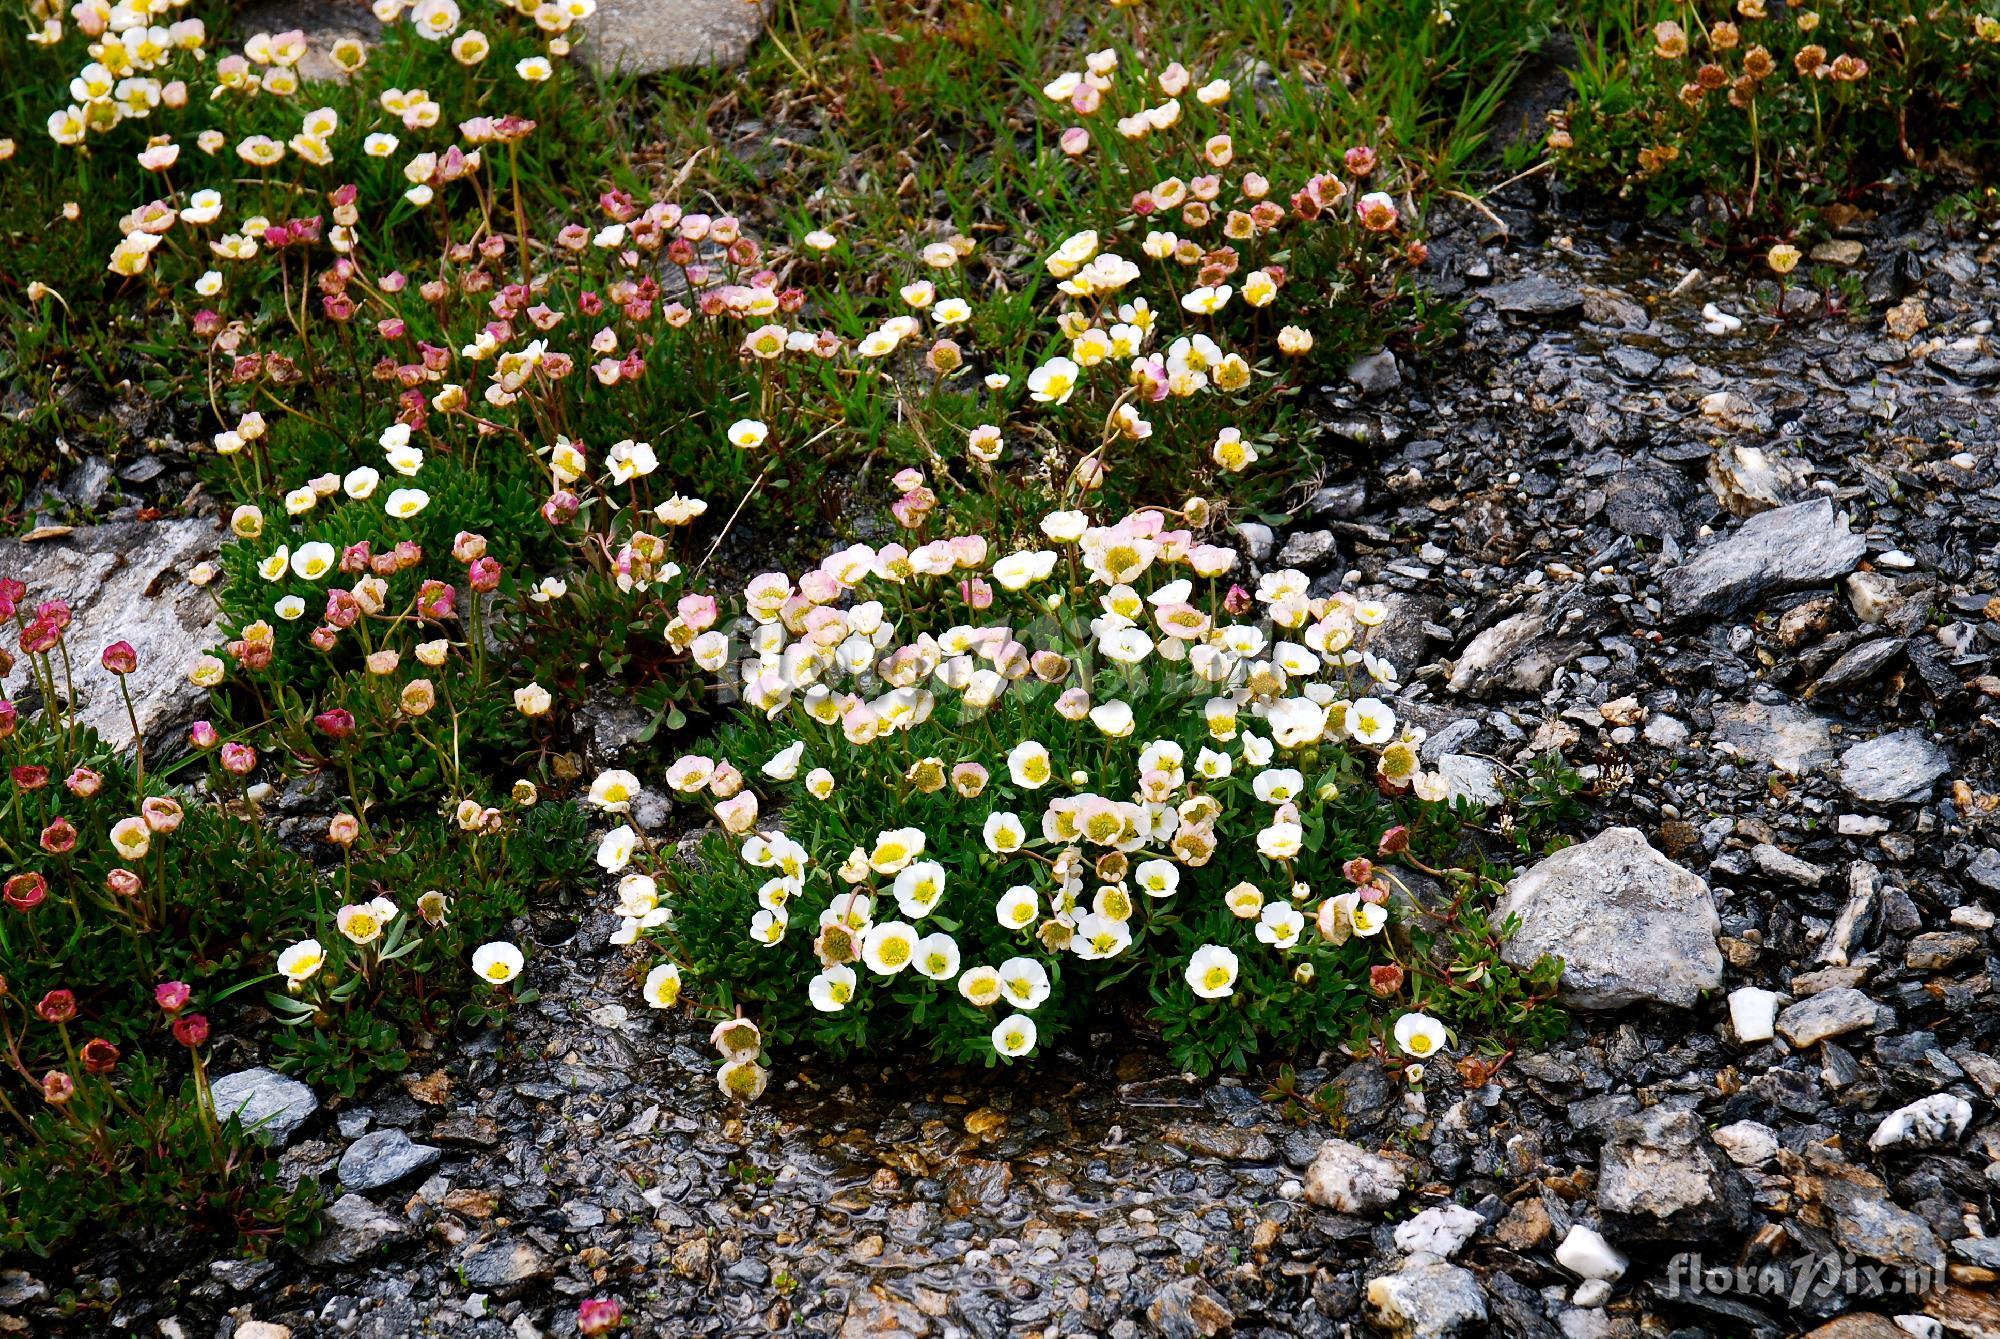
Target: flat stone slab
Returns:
[[126, 581], [653, 36], [1791, 547], [270, 1106]]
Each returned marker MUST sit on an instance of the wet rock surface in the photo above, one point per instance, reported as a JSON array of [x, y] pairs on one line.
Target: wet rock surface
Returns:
[[1572, 497]]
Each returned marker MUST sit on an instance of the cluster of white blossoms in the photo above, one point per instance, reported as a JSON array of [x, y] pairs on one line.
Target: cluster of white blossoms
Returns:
[[1030, 739], [130, 46]]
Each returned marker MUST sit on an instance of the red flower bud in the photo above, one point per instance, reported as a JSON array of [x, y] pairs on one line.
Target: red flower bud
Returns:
[[25, 892], [191, 1030], [99, 1056], [58, 1006], [1385, 979], [337, 723]]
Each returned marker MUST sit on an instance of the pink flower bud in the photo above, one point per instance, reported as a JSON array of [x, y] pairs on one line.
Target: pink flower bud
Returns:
[[191, 1030], [337, 723], [172, 996], [202, 735]]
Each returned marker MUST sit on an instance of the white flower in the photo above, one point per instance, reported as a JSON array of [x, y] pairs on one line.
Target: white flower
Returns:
[[614, 850], [746, 433], [937, 956], [1028, 765], [1157, 878], [1371, 722], [918, 888], [1053, 382], [300, 961], [663, 986], [1017, 907], [832, 988], [614, 790], [1211, 972], [1015, 1036], [1004, 832], [1420, 1035], [405, 503], [1280, 924], [1280, 841], [784, 764], [1025, 982], [314, 560], [497, 963], [889, 947]]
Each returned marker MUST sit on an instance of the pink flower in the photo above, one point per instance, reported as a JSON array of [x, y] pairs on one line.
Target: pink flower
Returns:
[[25, 892], [58, 1006], [191, 1030], [202, 735], [172, 996], [59, 837], [57, 1087], [337, 723], [599, 1315], [239, 759], [121, 658]]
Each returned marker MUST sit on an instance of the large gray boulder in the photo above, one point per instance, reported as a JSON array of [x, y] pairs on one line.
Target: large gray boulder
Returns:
[[126, 581], [653, 36], [1788, 548], [1630, 925]]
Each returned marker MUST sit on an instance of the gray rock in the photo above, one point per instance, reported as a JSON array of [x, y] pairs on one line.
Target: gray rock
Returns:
[[1746, 480], [382, 1158], [1345, 501], [356, 1229], [1899, 768], [1665, 732], [1308, 550], [653, 36], [1789, 868], [1784, 549], [1188, 1308], [500, 1263], [1981, 1251], [1859, 664], [1831, 1013], [1426, 1300], [1257, 539], [1866, 1221], [1660, 1178], [241, 1275], [1789, 738], [1536, 295], [1630, 925], [1470, 778], [1375, 373], [1347, 1178], [127, 582], [1985, 869], [269, 1105], [1519, 654]]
